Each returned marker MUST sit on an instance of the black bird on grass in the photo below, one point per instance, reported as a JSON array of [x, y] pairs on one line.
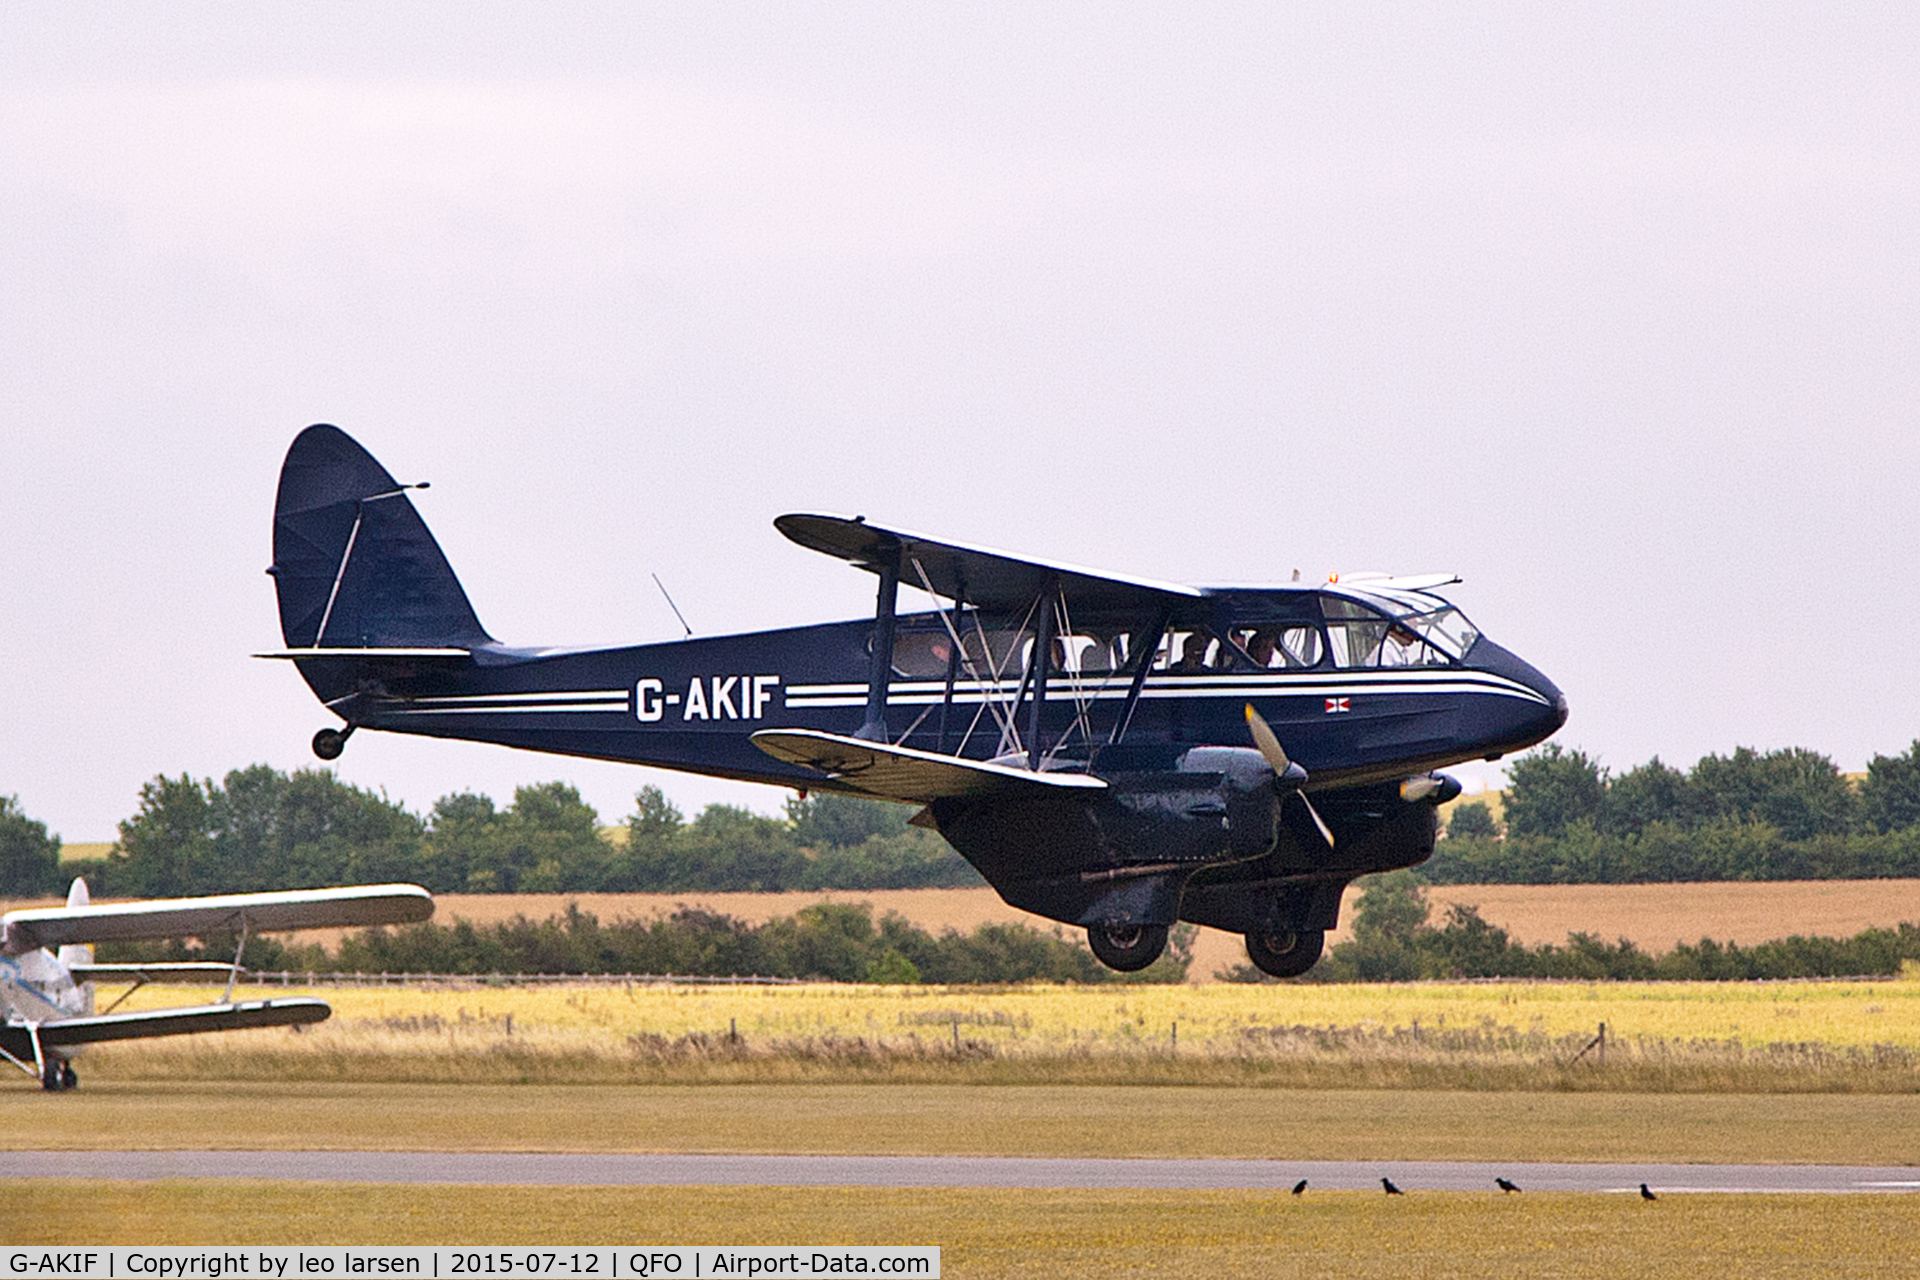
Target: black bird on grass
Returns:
[[1299, 1186], [1504, 1185], [1646, 1194], [1391, 1189]]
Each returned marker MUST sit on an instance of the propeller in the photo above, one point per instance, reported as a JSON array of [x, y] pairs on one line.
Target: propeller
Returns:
[[1284, 769]]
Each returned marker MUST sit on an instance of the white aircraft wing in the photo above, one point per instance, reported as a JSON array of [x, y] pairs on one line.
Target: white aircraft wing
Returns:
[[353, 907], [175, 971], [147, 1024], [901, 773]]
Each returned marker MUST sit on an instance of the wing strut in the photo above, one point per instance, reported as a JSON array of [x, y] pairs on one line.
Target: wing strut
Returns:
[[880, 671], [1150, 644], [233, 975], [36, 1070], [1042, 660]]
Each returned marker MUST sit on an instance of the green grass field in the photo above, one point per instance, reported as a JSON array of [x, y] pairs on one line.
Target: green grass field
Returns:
[[992, 1233], [1314, 1124], [1763, 1073]]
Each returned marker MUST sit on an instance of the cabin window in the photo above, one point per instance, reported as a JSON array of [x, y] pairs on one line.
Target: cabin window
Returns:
[[1446, 631], [1358, 636], [923, 655], [1005, 654], [1190, 652], [1354, 632], [1278, 646]]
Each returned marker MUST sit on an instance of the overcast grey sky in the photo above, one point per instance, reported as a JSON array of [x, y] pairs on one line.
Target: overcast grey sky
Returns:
[[1611, 313]]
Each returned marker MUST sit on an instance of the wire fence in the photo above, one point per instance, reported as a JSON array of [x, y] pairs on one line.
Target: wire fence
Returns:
[[317, 978]]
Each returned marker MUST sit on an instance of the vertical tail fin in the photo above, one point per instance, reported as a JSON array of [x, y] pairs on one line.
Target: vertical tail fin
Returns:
[[78, 952], [353, 563]]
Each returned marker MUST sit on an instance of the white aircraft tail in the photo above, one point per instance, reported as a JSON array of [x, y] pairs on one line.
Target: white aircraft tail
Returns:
[[78, 953]]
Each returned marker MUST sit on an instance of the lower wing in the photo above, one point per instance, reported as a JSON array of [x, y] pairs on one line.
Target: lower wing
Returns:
[[151, 1023], [901, 773]]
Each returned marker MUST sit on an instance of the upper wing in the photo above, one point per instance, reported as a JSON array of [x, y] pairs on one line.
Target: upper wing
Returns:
[[978, 575], [149, 1023], [353, 907], [901, 773]]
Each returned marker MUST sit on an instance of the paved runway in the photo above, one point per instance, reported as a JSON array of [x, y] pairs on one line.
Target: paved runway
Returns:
[[523, 1168]]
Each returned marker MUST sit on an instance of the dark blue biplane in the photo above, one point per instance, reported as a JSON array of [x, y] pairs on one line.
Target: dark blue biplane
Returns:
[[1106, 750]]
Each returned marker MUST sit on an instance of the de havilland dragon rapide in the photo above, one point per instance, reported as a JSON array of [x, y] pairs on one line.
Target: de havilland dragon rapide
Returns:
[[1113, 753]]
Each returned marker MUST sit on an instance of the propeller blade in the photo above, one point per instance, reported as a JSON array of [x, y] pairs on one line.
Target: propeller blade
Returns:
[[1326, 832], [1276, 756], [1269, 744]]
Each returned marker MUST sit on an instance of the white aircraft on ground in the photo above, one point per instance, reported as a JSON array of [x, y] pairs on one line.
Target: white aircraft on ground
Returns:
[[47, 970]]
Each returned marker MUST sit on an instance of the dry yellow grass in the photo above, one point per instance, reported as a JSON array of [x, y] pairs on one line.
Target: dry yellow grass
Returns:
[[1049, 1233], [1689, 1036]]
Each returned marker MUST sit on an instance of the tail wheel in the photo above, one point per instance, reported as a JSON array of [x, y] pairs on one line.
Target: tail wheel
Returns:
[[1127, 947], [1285, 954], [329, 743]]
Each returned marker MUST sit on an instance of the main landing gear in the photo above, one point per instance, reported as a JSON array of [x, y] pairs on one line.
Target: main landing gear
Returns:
[[1127, 947], [329, 743], [57, 1075], [1285, 954]]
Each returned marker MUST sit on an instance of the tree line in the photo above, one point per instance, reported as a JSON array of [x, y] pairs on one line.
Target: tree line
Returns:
[[1751, 815], [260, 829], [1777, 815], [1395, 941], [828, 941]]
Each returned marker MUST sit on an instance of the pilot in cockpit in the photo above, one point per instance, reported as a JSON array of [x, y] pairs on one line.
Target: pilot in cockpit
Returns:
[[1262, 643], [1194, 656]]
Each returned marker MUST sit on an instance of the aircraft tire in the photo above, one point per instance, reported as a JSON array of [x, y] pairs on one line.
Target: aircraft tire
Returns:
[[329, 743], [1284, 954], [53, 1074], [69, 1079], [1127, 947]]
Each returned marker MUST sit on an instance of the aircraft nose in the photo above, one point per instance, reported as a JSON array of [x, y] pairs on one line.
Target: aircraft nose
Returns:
[[1559, 712]]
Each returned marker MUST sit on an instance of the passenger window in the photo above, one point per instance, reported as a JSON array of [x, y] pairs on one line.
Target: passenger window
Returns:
[[1354, 632], [923, 655], [1275, 647], [1083, 655], [1189, 652]]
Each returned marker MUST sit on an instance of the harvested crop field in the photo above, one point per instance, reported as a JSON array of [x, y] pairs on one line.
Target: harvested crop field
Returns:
[[1652, 916]]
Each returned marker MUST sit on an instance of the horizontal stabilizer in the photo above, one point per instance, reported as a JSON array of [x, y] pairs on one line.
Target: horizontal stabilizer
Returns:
[[354, 907], [189, 1020], [901, 773]]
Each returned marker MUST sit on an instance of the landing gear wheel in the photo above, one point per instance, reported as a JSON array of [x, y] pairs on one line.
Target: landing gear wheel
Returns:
[[329, 743], [55, 1074], [1285, 954], [1127, 947], [68, 1080]]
